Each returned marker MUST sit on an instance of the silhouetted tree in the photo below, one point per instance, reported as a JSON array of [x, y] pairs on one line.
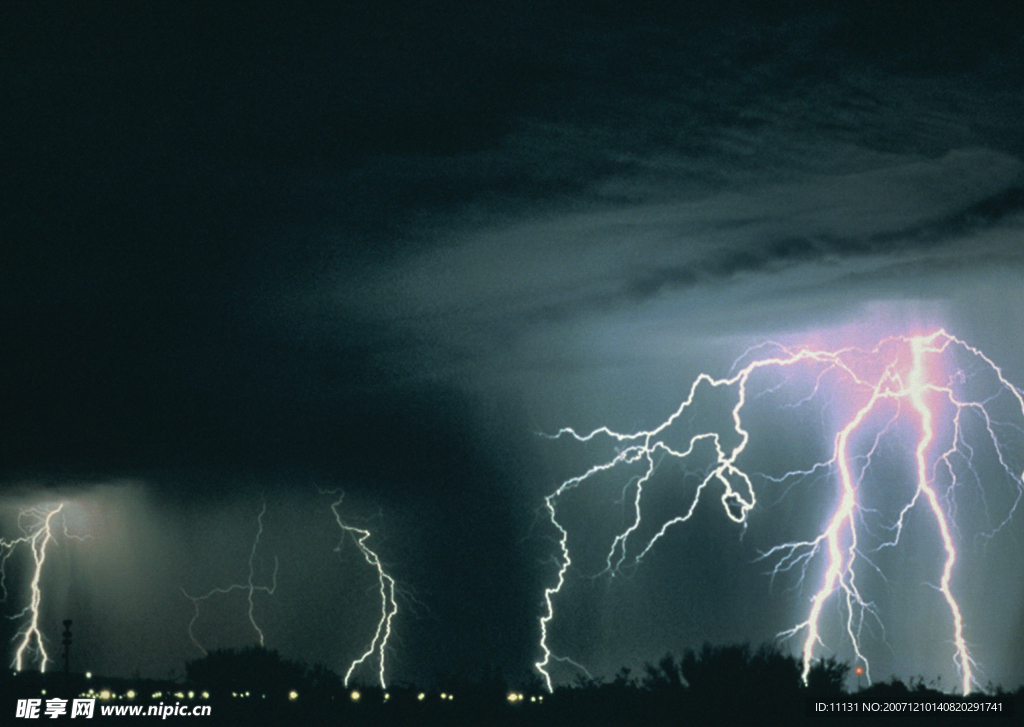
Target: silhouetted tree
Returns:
[[623, 679], [667, 675], [827, 677]]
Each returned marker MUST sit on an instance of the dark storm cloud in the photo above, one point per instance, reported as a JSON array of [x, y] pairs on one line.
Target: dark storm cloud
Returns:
[[487, 290], [699, 158]]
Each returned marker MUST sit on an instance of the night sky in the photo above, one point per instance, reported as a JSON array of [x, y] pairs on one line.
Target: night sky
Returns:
[[258, 253]]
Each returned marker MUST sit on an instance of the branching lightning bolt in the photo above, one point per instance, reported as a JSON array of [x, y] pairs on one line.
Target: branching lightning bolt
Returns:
[[249, 587], [900, 379], [38, 533], [388, 605]]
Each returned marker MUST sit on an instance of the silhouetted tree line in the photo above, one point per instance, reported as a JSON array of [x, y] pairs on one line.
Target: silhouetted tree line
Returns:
[[726, 685]]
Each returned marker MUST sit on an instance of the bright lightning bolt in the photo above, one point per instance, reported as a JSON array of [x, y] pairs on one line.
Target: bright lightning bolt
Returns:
[[388, 605], [249, 587], [902, 379], [38, 533]]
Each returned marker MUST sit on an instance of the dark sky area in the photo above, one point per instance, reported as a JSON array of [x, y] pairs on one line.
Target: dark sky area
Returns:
[[252, 252]]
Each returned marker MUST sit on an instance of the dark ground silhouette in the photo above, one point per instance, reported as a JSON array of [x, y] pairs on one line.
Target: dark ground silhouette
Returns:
[[728, 685]]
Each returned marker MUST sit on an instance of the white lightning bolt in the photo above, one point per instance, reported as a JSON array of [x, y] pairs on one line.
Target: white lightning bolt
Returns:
[[37, 535], [897, 373], [388, 605]]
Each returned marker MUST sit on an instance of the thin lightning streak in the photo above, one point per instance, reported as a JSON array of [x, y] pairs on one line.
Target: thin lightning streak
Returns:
[[388, 605], [249, 587], [895, 376], [37, 536]]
